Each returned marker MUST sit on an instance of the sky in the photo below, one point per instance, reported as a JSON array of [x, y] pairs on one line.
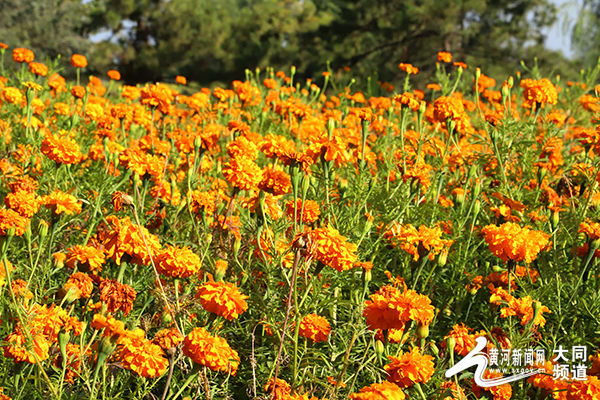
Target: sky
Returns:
[[557, 38]]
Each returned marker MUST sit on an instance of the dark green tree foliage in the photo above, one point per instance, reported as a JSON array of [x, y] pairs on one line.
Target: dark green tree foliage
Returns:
[[48, 27], [208, 40], [585, 35]]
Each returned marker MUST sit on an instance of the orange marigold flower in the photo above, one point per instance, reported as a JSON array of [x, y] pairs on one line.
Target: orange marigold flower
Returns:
[[24, 203], [434, 86], [333, 249], [177, 262], [78, 91], [389, 308], [12, 95], [60, 202], [23, 55], [61, 149], [38, 69], [502, 392], [242, 173], [12, 219], [3, 46], [447, 107], [222, 298], [409, 368], [379, 391], [590, 228], [78, 61], [82, 284], [111, 326], [275, 181], [242, 147], [465, 341], [310, 213], [425, 242], [442, 56], [117, 296], [142, 357], [408, 68], [114, 75], [211, 351], [538, 91], [279, 389], [17, 347], [85, 258], [584, 390], [167, 338], [314, 327], [511, 242], [407, 99], [123, 238], [180, 79]]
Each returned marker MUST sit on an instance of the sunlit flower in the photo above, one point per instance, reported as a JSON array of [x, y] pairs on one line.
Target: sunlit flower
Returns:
[[314, 327], [379, 391], [409, 368], [177, 262], [222, 298], [511, 242], [78, 61], [60, 202], [211, 351]]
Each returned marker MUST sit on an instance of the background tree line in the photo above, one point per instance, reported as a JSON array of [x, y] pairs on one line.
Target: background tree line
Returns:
[[216, 40]]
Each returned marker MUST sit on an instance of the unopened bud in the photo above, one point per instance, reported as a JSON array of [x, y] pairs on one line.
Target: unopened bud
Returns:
[[27, 233], [443, 258], [43, 229], [236, 246], [422, 331], [197, 142], [434, 349], [496, 268], [476, 207], [379, 347], [477, 73], [450, 343], [306, 180], [422, 108], [555, 219], [451, 125], [166, 318]]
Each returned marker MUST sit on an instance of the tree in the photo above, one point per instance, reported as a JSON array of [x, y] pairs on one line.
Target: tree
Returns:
[[208, 40], [48, 28]]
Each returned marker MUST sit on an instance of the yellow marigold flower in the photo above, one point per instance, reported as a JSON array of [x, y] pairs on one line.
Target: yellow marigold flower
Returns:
[[12, 95], [85, 258], [333, 249], [211, 351], [61, 108], [32, 86], [177, 262], [409, 368], [222, 298], [60, 202], [511, 242], [314, 327], [61, 149], [379, 391], [142, 357], [11, 219]]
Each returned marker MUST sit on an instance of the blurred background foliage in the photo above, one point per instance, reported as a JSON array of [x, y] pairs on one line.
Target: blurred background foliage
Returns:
[[216, 40]]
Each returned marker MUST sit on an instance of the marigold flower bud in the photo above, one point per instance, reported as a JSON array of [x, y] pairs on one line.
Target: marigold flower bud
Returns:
[[379, 347], [450, 343], [496, 268], [422, 331], [555, 219], [443, 258], [476, 207]]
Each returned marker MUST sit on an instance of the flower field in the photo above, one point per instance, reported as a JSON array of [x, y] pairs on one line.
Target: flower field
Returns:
[[279, 239]]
